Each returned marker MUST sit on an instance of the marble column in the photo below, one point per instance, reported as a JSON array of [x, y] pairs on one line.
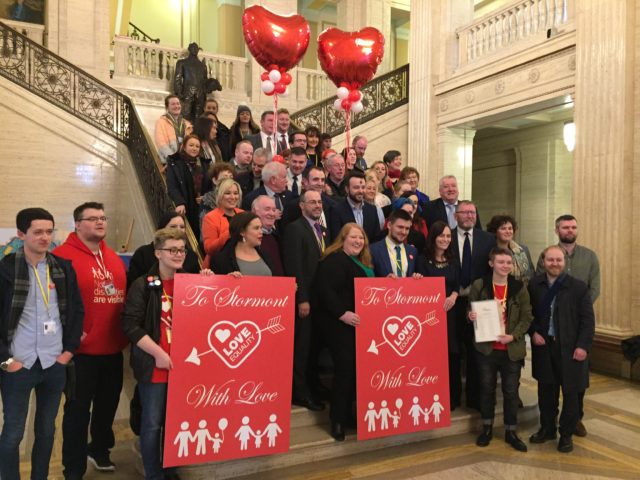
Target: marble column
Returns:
[[353, 15], [455, 156], [604, 160]]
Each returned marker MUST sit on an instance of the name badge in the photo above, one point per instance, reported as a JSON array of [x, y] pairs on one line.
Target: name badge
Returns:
[[50, 328], [109, 289]]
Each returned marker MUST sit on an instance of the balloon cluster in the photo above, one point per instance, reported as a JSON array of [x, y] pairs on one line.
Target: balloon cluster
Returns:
[[348, 100], [275, 81]]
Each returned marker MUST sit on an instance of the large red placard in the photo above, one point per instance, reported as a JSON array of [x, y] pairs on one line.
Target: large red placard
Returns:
[[401, 355], [229, 390]]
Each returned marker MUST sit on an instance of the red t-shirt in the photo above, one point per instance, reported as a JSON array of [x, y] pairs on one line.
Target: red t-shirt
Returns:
[[500, 293], [161, 375]]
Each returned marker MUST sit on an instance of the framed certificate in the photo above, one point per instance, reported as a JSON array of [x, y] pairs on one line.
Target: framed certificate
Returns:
[[488, 324]]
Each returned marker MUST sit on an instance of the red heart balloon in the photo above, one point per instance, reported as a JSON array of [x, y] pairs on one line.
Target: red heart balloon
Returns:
[[350, 58], [274, 39]]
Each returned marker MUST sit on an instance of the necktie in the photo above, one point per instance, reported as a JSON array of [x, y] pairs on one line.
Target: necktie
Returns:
[[451, 215], [269, 149], [294, 186], [398, 261], [283, 142], [318, 228], [278, 200], [465, 277]]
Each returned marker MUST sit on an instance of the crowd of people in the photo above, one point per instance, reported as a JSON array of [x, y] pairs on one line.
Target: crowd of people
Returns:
[[320, 216]]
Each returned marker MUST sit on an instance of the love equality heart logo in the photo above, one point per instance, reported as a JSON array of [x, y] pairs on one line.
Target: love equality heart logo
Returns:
[[401, 333], [234, 343]]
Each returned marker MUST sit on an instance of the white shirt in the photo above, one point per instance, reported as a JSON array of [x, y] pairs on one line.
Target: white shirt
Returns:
[[280, 139], [263, 137], [391, 249], [290, 181]]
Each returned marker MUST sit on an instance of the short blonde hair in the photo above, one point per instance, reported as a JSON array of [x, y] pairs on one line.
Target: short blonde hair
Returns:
[[161, 236], [224, 186]]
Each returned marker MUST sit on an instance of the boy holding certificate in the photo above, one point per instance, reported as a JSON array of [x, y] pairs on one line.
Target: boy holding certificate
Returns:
[[505, 353]]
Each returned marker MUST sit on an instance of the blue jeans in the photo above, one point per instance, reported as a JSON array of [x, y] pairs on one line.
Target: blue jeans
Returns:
[[153, 397], [16, 389]]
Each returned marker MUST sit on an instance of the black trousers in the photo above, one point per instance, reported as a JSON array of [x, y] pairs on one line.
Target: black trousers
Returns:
[[466, 343], [341, 339], [98, 386], [301, 347], [488, 368], [549, 398]]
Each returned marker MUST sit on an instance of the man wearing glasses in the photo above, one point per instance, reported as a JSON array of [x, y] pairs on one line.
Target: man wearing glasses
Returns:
[[98, 361], [472, 246]]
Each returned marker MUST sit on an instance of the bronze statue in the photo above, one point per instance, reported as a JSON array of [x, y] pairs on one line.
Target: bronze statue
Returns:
[[191, 83]]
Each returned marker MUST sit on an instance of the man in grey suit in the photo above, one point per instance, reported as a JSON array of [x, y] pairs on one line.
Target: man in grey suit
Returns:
[[304, 242]]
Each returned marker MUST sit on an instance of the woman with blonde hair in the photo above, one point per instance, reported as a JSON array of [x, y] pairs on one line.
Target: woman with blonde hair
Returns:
[[346, 259], [215, 225]]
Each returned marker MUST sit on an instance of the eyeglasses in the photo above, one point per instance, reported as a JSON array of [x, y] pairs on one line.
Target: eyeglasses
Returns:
[[313, 202], [94, 219], [466, 212], [174, 251]]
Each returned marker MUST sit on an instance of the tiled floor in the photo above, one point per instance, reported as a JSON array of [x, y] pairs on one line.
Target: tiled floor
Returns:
[[611, 450]]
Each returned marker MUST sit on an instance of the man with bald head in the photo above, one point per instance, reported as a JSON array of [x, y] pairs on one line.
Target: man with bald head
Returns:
[[265, 208], [336, 170], [561, 337], [444, 208]]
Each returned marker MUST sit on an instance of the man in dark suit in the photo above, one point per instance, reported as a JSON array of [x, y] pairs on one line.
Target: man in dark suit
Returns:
[[304, 242], [444, 208], [561, 337], [274, 184], [252, 179], [391, 256], [355, 209], [313, 179], [471, 246], [265, 138]]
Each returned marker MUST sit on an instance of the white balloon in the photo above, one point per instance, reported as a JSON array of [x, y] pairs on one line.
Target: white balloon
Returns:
[[337, 104], [275, 76], [357, 107], [222, 423], [267, 86], [342, 93], [398, 403]]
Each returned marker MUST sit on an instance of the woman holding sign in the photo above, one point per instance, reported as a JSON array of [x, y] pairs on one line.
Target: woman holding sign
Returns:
[[439, 261], [506, 353], [146, 320], [344, 260]]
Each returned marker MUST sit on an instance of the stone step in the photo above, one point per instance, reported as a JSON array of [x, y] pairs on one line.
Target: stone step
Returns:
[[312, 442], [301, 417]]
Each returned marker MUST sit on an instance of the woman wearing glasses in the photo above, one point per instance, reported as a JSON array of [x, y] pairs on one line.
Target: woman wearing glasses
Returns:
[[147, 322]]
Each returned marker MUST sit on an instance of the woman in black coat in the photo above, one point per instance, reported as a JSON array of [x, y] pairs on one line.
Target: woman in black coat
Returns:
[[347, 258]]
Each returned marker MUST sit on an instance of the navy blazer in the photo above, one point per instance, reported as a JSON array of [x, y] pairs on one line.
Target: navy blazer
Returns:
[[483, 242], [382, 263], [435, 210], [342, 214], [285, 196]]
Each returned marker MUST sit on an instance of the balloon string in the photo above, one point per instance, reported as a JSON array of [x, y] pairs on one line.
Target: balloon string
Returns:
[[275, 121], [347, 127]]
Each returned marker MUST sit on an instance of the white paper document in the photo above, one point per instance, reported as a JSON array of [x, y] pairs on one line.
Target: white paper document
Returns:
[[488, 324]]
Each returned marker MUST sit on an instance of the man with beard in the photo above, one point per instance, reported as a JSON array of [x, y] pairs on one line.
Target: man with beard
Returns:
[[581, 263], [98, 361], [354, 208], [391, 256], [561, 337]]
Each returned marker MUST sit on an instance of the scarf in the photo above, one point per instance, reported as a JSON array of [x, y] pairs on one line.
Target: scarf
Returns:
[[521, 266], [544, 308], [179, 126], [21, 286]]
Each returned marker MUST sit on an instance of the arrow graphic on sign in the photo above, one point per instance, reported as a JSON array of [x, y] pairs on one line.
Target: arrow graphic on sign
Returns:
[[395, 328], [224, 334]]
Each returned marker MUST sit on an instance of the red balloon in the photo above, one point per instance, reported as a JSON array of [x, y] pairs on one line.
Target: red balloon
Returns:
[[355, 96], [270, 93], [275, 41], [280, 87], [350, 59], [346, 104], [286, 78], [278, 158], [264, 76]]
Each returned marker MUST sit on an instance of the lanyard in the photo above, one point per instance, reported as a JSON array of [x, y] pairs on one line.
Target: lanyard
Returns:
[[45, 296], [101, 265], [393, 254]]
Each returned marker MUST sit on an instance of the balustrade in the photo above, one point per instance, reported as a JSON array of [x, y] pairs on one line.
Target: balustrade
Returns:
[[512, 23]]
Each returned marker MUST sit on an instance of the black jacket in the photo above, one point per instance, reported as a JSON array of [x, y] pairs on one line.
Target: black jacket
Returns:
[[574, 323], [435, 210], [181, 189], [285, 197], [483, 242], [342, 214], [302, 254], [71, 319], [226, 262]]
